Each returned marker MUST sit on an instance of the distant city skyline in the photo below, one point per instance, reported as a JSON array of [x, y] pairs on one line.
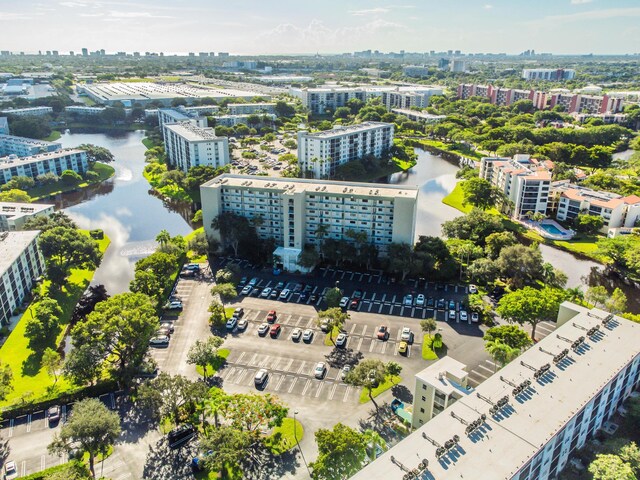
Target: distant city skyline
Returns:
[[254, 27]]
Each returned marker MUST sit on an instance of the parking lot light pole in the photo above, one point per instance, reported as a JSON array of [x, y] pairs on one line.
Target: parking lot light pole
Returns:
[[295, 435]]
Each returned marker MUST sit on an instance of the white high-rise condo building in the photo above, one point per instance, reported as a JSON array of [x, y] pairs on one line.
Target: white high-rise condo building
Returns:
[[14, 215], [525, 421], [188, 145], [320, 153], [50, 162], [524, 181], [169, 116], [25, 147], [292, 210], [20, 264]]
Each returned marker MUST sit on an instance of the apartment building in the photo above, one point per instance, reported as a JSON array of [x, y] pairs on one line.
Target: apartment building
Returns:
[[232, 120], [415, 71], [14, 215], [188, 145], [524, 181], [24, 147], [437, 387], [467, 90], [322, 99], [550, 74], [525, 421], [320, 153], [293, 209], [20, 264], [28, 111], [458, 65], [51, 162], [418, 116], [607, 118], [503, 96], [251, 108], [568, 201], [84, 111], [4, 126], [572, 102], [169, 116]]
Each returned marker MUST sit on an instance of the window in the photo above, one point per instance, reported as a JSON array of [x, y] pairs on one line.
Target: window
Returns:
[[422, 410], [424, 399]]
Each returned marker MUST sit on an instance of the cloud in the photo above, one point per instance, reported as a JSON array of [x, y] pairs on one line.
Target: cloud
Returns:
[[7, 16], [370, 11], [121, 14], [73, 4], [488, 7], [594, 15], [580, 2]]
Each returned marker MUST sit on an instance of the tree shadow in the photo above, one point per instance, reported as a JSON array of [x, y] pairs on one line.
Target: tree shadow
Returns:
[[4, 450], [402, 393], [381, 422], [339, 357], [263, 464], [163, 463], [442, 351], [135, 422]]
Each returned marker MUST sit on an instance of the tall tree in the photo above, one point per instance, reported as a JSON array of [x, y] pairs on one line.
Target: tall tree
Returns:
[[168, 396], [226, 292], [6, 381], [368, 374], [204, 353], [480, 193], [253, 413], [231, 447], [400, 259], [335, 318], [511, 335], [91, 427], [521, 265], [531, 306], [52, 362], [500, 351], [42, 328], [66, 248], [428, 326], [610, 467], [233, 229], [342, 451], [163, 238], [597, 295], [617, 302], [120, 329], [96, 153]]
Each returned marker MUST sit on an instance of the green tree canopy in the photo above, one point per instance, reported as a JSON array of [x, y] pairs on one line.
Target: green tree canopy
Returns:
[[529, 305], [342, 452]]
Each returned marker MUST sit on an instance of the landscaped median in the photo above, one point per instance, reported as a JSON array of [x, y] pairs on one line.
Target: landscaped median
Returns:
[[31, 382], [428, 353], [389, 382], [283, 438], [223, 353]]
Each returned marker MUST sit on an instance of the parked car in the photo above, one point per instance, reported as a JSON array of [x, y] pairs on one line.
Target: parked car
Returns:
[[174, 306], [304, 296], [357, 294], [238, 312], [159, 341], [431, 302], [232, 323], [164, 331], [320, 370], [452, 305], [275, 330], [296, 334], [407, 335], [354, 304], [307, 336], [285, 294], [344, 302], [402, 347], [243, 323], [408, 300], [324, 326], [274, 294], [383, 332], [308, 288], [246, 290], [261, 377], [192, 266], [420, 300], [181, 435], [53, 414], [473, 289], [272, 316], [341, 340], [265, 293], [168, 325], [242, 282], [475, 318], [452, 314], [10, 470], [463, 316], [255, 292], [253, 281], [345, 371], [441, 304], [279, 286], [263, 329]]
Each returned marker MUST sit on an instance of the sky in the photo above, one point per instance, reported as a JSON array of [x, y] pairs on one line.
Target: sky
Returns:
[[254, 27]]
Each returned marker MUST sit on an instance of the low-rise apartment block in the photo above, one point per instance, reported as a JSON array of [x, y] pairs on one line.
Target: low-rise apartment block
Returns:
[[415, 71], [569, 200], [24, 147], [418, 116], [414, 98], [526, 420], [551, 74], [232, 120], [607, 118], [524, 181], [293, 209], [575, 103], [502, 96], [251, 108], [188, 145], [28, 111], [4, 126], [50, 162], [320, 153], [20, 264], [14, 215], [84, 111]]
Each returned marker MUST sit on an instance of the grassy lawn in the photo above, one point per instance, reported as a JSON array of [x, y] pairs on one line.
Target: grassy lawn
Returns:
[[327, 338], [172, 190], [389, 382], [427, 352], [147, 142], [191, 255], [283, 439], [455, 199], [30, 381], [223, 353], [55, 135], [450, 147], [43, 191]]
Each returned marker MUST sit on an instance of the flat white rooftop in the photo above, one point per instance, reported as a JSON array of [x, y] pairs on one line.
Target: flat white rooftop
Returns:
[[156, 91], [312, 186], [418, 114], [8, 162], [508, 439], [348, 129], [12, 244], [436, 375], [14, 210], [193, 133]]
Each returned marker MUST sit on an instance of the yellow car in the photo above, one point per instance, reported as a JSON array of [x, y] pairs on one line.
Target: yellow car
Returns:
[[402, 347]]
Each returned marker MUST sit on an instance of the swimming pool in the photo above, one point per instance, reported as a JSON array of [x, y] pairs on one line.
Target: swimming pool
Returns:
[[552, 229]]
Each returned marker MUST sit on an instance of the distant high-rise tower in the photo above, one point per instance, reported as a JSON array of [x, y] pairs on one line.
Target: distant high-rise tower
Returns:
[[85, 52]]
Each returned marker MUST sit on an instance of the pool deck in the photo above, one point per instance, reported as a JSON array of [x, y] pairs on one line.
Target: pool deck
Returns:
[[538, 227]]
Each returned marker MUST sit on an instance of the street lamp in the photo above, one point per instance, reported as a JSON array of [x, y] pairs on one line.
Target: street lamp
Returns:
[[295, 435]]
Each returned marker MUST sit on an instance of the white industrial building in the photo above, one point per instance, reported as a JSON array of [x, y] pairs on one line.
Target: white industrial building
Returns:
[[415, 71], [293, 209], [20, 264], [320, 153], [28, 111], [188, 145], [24, 147], [525, 421], [50, 162], [550, 74], [524, 181], [14, 215]]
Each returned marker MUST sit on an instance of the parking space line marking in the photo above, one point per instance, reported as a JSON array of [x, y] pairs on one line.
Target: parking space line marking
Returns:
[[353, 327], [380, 309], [364, 329], [113, 401], [373, 342], [24, 468], [293, 384], [408, 350], [370, 306], [333, 391], [250, 362], [351, 277], [487, 369], [43, 462], [301, 367], [360, 343], [243, 374], [28, 422], [395, 352], [286, 369], [277, 387], [319, 390], [346, 394], [306, 387], [298, 322], [241, 357], [311, 323]]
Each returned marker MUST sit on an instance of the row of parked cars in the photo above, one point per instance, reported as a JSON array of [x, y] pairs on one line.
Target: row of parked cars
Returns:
[[163, 335], [279, 292]]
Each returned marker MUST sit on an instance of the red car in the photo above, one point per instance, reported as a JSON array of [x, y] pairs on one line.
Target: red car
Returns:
[[383, 332], [354, 304], [275, 330], [271, 316]]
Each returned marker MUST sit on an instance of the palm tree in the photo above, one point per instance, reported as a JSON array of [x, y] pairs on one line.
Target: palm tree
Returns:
[[374, 440], [575, 294], [163, 238], [501, 352], [321, 231]]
